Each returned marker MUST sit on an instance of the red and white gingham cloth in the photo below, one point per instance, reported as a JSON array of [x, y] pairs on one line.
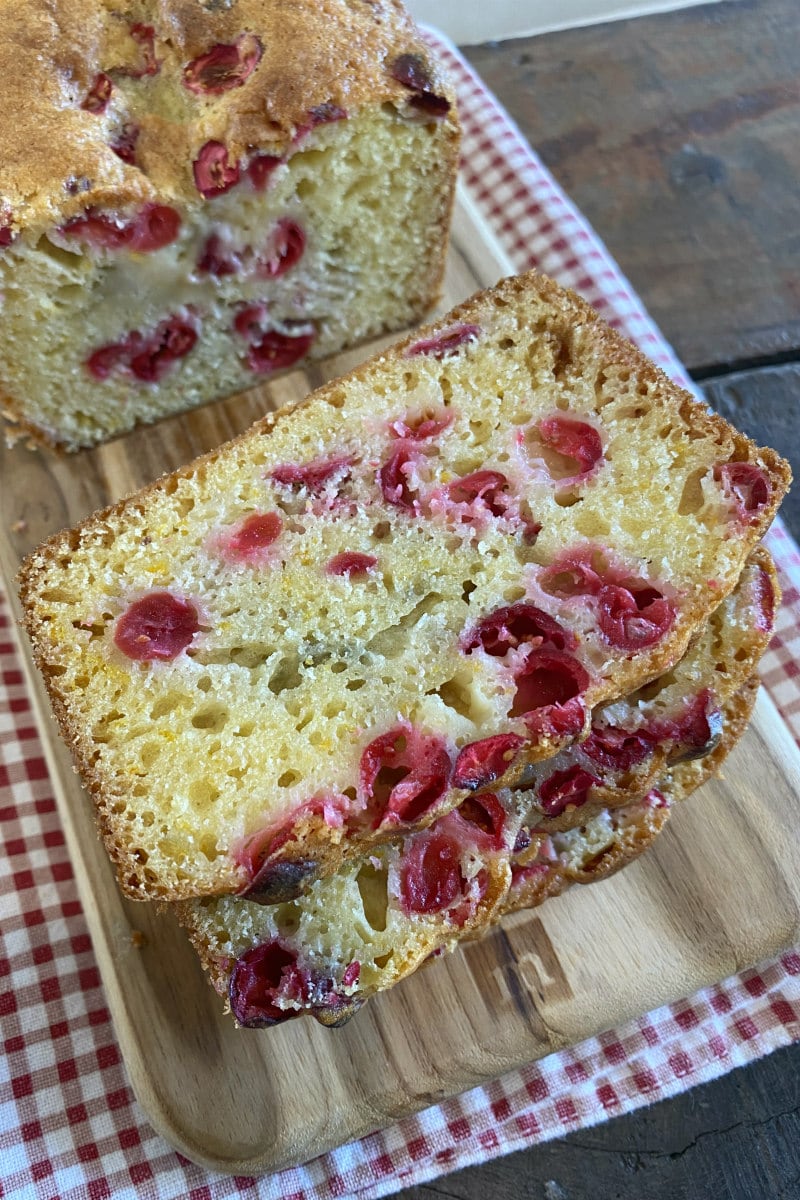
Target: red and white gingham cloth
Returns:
[[69, 1125]]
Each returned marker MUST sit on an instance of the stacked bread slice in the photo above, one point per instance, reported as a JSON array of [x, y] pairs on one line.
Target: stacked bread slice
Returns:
[[417, 650]]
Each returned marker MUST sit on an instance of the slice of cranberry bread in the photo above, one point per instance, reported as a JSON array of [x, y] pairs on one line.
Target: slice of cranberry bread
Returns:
[[195, 196], [546, 863], [675, 718], [404, 589], [376, 921]]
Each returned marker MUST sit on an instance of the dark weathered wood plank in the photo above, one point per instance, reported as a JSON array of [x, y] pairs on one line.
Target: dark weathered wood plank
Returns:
[[677, 135]]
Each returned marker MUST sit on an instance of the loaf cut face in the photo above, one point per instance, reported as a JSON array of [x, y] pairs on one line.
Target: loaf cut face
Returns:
[[195, 196], [405, 590]]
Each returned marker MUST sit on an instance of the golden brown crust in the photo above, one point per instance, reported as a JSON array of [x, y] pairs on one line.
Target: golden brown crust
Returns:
[[566, 313], [56, 156]]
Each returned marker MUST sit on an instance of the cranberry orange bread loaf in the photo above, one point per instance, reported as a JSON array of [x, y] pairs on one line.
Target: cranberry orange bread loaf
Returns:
[[197, 195], [406, 588], [376, 921]]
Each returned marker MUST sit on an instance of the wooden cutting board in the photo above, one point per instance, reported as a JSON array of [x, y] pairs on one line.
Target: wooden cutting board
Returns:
[[719, 892]]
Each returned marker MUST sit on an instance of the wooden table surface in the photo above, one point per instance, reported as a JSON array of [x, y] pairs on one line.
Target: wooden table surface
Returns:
[[678, 136]]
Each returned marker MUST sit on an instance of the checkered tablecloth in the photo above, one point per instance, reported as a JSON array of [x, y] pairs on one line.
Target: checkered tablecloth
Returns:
[[69, 1124]]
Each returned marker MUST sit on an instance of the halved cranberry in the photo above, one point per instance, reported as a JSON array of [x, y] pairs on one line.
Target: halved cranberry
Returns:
[[394, 478], [412, 71], [215, 259], [763, 601], [144, 36], [617, 749], [256, 533], [312, 476], [213, 173], [547, 677], [516, 625], [573, 573], [431, 878], [153, 227], [557, 721], [286, 246], [103, 361], [351, 974], [747, 488], [6, 236], [693, 733], [445, 343], [99, 94], [171, 340], [632, 621], [124, 144], [403, 774], [276, 351], [259, 169], [566, 789], [420, 427], [577, 441], [251, 322], [258, 976], [488, 487], [158, 626], [224, 66], [480, 763], [487, 813], [351, 563]]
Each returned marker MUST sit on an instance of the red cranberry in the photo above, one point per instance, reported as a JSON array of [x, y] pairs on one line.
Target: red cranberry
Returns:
[[312, 476], [575, 440], [171, 340], [421, 427], [431, 878], [147, 357], [260, 169], [215, 260], [351, 563], [573, 573], [557, 721], [695, 732], [144, 36], [159, 626], [566, 789], [124, 145], [746, 487], [258, 977], [547, 677], [488, 487], [403, 774], [763, 601], [617, 749], [633, 621], [99, 94], [412, 71], [286, 246], [223, 66], [351, 974], [256, 533], [276, 351], [6, 235], [480, 763], [155, 226], [519, 624], [486, 813], [213, 173], [394, 478], [448, 342]]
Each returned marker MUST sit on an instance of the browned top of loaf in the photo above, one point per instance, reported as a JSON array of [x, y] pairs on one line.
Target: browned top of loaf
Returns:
[[56, 156]]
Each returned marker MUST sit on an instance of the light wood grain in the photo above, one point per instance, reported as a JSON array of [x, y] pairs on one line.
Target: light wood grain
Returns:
[[720, 891]]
